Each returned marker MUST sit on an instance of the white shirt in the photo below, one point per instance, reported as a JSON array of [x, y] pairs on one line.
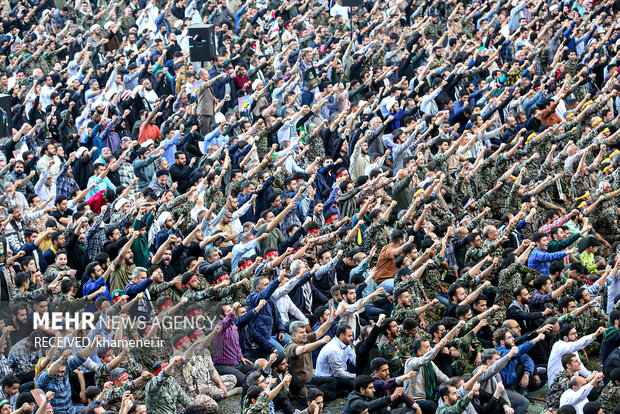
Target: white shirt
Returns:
[[577, 398], [338, 10], [561, 348], [46, 93], [333, 358], [285, 305]]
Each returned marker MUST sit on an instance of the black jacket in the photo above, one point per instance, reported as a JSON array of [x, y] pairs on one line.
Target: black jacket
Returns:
[[377, 405], [366, 351], [526, 319]]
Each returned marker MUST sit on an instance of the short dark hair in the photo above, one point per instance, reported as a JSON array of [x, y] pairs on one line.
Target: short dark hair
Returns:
[[565, 302], [362, 381], [10, 380], [565, 329], [452, 290], [342, 329], [540, 281], [417, 345], [566, 359], [592, 407], [92, 392], [313, 394], [444, 389]]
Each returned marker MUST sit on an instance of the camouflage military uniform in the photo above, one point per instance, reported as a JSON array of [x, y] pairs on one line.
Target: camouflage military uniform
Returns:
[[163, 393], [557, 388], [432, 278], [440, 215], [261, 406], [391, 351], [214, 195], [241, 293], [154, 353], [114, 397], [28, 295], [163, 289], [509, 280], [486, 178], [196, 378], [126, 22], [399, 313], [416, 290], [431, 30], [468, 346], [317, 149], [605, 219], [590, 320], [610, 397], [375, 236]]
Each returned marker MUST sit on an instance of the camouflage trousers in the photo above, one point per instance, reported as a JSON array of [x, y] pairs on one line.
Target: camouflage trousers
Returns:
[[211, 393]]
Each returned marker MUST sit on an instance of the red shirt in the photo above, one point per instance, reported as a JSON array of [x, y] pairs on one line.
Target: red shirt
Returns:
[[96, 201]]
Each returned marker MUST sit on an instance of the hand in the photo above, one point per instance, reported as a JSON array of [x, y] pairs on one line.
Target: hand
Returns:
[[281, 336], [397, 393], [524, 380], [600, 331]]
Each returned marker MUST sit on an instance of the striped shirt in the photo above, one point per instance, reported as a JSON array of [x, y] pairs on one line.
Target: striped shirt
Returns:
[[226, 349], [62, 388]]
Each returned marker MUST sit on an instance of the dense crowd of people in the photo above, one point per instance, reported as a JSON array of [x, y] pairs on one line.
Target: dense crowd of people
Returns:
[[408, 206]]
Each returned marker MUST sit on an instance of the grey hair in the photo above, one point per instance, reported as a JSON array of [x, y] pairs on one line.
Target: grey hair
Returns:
[[486, 230], [487, 354], [295, 265], [252, 378], [295, 326], [136, 272]]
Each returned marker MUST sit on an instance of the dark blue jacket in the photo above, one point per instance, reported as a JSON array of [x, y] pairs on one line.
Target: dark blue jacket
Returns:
[[509, 372], [262, 328], [297, 294], [32, 250], [143, 307], [219, 89]]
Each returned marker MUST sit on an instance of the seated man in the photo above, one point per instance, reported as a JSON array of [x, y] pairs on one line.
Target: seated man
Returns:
[[299, 355], [578, 390], [335, 356], [422, 387], [365, 391]]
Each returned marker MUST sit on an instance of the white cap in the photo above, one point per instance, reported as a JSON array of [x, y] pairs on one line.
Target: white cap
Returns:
[[120, 203], [107, 25], [147, 143], [94, 27], [81, 151]]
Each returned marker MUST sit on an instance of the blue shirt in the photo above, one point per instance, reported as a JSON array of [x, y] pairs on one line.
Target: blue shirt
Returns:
[[541, 260], [333, 359], [61, 403], [92, 285], [509, 372], [242, 250]]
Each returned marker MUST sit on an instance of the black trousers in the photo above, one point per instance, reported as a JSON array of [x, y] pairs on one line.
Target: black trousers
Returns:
[[328, 385], [239, 371], [427, 406]]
